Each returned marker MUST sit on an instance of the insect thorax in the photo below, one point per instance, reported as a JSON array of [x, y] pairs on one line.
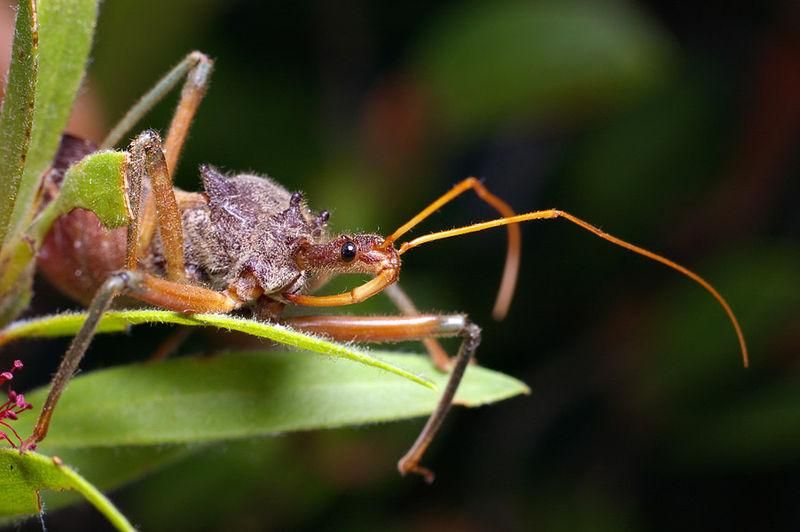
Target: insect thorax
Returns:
[[249, 227]]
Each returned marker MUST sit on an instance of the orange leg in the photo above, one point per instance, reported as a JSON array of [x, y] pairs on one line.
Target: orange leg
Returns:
[[400, 328], [147, 162], [160, 292], [192, 94], [356, 295], [171, 344], [406, 306], [158, 209], [196, 69]]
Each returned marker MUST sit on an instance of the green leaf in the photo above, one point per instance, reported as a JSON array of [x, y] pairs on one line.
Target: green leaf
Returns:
[[712, 412], [31, 133], [23, 476], [759, 429], [488, 62], [68, 324], [15, 298], [16, 116], [95, 183], [242, 395], [694, 346], [66, 28]]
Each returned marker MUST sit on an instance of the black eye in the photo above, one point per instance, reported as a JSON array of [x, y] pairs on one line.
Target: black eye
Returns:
[[349, 251]]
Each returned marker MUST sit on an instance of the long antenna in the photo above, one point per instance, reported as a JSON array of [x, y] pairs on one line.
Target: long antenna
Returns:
[[555, 213]]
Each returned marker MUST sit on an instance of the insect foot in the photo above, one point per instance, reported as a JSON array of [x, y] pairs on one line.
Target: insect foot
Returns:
[[409, 463], [116, 284]]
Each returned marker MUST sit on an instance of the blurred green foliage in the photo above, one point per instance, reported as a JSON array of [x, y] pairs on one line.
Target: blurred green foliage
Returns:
[[645, 118]]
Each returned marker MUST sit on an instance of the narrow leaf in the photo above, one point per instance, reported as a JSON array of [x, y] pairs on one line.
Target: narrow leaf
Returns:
[[16, 298], [242, 395], [66, 28], [16, 116], [23, 476], [68, 324]]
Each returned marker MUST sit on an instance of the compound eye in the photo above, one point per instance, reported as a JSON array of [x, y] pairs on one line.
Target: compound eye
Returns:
[[349, 251]]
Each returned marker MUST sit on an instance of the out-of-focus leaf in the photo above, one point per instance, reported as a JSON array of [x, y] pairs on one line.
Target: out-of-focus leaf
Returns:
[[562, 508], [16, 116], [68, 324], [689, 358], [495, 61], [243, 395], [271, 470], [16, 298], [758, 429], [707, 403], [644, 165], [24, 476]]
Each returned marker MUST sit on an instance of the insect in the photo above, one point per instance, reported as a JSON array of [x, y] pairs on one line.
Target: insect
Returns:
[[248, 243]]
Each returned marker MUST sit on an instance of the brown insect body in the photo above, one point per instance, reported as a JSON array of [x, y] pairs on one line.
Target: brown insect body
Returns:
[[78, 252], [248, 242], [243, 233]]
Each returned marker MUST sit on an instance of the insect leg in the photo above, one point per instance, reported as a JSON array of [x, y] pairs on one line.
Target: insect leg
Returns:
[[194, 89], [400, 328], [171, 344], [406, 306], [147, 162], [166, 294], [196, 68], [69, 364]]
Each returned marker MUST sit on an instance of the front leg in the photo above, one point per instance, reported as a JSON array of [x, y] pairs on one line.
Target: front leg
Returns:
[[160, 292], [405, 305], [397, 329], [147, 163]]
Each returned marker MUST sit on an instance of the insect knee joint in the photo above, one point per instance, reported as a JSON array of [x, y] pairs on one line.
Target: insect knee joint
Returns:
[[122, 280], [472, 336]]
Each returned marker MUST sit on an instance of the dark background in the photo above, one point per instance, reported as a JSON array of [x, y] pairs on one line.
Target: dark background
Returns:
[[672, 125]]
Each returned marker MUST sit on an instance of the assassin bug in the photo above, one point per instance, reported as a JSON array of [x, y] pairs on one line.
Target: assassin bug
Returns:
[[246, 242]]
